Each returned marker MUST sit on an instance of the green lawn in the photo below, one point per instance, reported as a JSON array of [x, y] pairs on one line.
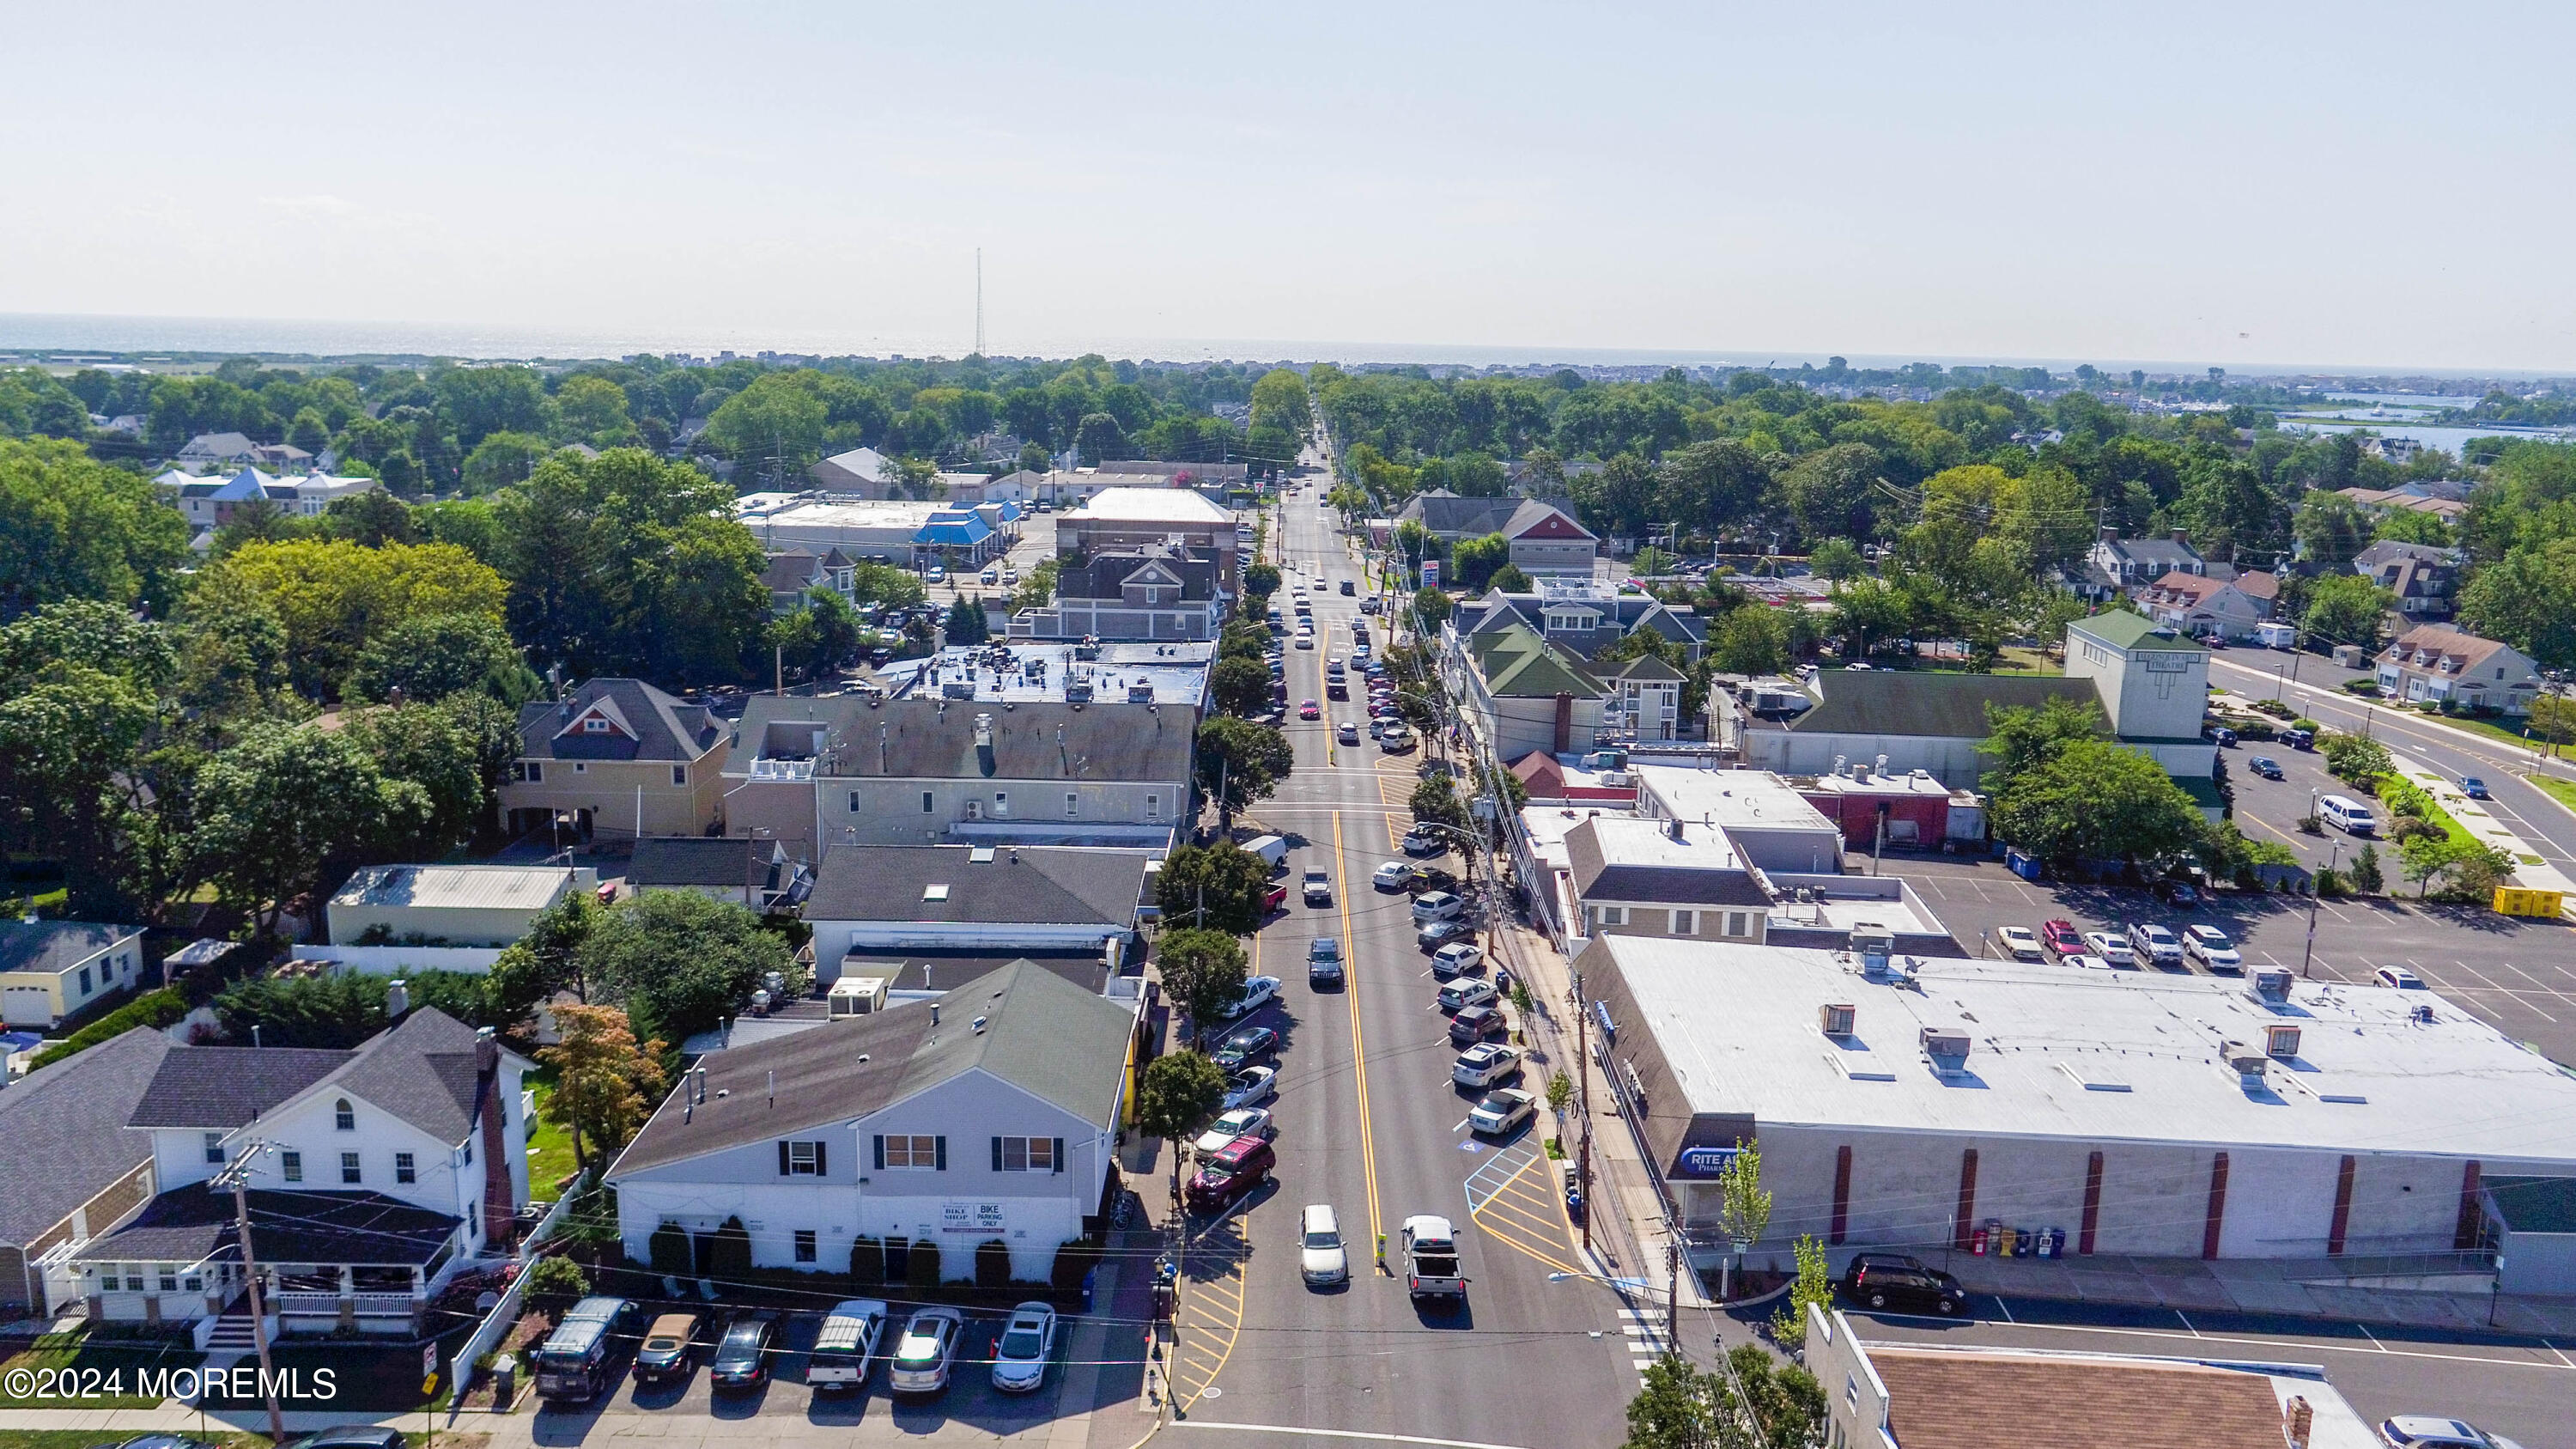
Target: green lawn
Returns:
[[99, 1360], [2511, 735], [2562, 791], [85, 1438], [549, 1145]]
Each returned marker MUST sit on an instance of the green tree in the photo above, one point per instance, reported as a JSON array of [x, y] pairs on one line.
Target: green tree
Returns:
[[1240, 762], [436, 655], [593, 410], [2020, 740], [2423, 857], [1261, 580], [1868, 612], [477, 402], [772, 429], [679, 961], [1743, 1203], [547, 960], [2367, 878], [1175, 1098], [1680, 1406], [1218, 886], [2093, 799], [371, 519], [1749, 640], [274, 805], [1241, 686], [1812, 1288], [1203, 973], [1511, 580], [2528, 600], [1783, 1398], [1475, 561], [1828, 491], [1836, 560], [1430, 610], [885, 584], [966, 622], [1436, 800], [2330, 529], [2356, 758], [2345, 609], [73, 528], [503, 459], [334, 597], [836, 632], [70, 733]]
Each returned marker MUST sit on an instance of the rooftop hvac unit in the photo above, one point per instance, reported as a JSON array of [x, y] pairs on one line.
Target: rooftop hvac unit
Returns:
[[857, 996], [2271, 987], [2281, 1040], [1939, 1041], [2245, 1061], [1837, 1020]]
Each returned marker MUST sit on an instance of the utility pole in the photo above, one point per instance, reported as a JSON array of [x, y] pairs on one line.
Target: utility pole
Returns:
[[1673, 1294], [1583, 1075], [236, 1175], [2308, 952]]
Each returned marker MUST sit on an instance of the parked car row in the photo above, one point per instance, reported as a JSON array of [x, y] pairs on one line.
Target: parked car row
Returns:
[[2139, 942], [575, 1364]]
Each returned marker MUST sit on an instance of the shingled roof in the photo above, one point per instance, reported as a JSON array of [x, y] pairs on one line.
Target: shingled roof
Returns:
[[659, 726], [1945, 706], [1053, 1039], [69, 1120], [421, 1070], [1017, 885]]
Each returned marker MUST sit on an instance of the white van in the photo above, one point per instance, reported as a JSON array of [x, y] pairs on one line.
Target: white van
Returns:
[[1272, 850], [2347, 814]]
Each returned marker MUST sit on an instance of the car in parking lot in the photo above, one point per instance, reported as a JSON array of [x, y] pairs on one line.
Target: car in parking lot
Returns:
[[1393, 875], [1252, 1084], [665, 1351], [2061, 938], [1230, 1174], [2473, 787], [2222, 737], [2398, 978], [1396, 740], [1438, 936], [1456, 959], [2112, 949], [1501, 1112], [1475, 1024], [1459, 995], [2209, 946], [742, 1357], [1438, 906], [2159, 946], [1484, 1064], [2431, 1431], [2182, 895], [1243, 1048], [1027, 1342], [1894, 1280], [2083, 962], [1431, 878], [2019, 942], [2265, 766], [1321, 1258], [1258, 992], [1371, 605], [847, 1340], [1324, 961], [927, 1351], [338, 1436], [1241, 1122]]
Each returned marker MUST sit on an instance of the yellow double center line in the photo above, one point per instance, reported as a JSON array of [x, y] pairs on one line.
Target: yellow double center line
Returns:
[[1359, 1046]]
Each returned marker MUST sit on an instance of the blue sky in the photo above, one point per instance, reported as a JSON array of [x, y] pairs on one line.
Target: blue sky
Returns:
[[2235, 184]]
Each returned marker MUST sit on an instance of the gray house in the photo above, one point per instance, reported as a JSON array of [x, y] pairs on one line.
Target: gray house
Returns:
[[988, 1115], [70, 1119]]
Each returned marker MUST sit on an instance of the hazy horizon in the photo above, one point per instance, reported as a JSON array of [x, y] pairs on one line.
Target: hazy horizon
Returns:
[[2197, 184]]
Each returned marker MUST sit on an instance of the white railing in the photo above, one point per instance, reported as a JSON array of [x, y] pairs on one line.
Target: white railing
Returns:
[[307, 1303], [375, 1305]]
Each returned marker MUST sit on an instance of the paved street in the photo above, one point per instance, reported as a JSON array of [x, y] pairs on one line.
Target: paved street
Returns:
[[1370, 1123]]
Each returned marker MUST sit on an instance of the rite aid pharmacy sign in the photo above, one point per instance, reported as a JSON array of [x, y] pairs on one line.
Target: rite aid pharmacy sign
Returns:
[[1705, 1161]]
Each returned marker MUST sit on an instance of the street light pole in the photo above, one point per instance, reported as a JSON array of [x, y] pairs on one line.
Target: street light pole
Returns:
[[2308, 952]]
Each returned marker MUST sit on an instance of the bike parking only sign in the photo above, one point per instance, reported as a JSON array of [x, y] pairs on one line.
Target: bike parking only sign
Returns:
[[971, 1217]]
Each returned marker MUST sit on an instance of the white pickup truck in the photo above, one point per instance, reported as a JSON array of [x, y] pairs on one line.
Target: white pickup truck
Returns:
[[1431, 1259]]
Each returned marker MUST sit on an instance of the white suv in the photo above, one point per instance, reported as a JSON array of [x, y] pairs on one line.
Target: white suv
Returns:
[[2209, 946], [1437, 906]]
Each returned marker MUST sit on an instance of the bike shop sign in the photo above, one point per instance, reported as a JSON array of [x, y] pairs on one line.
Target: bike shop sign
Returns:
[[971, 1217]]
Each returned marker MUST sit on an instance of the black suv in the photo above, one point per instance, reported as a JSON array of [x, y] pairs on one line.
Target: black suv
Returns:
[[1247, 1046], [1889, 1280]]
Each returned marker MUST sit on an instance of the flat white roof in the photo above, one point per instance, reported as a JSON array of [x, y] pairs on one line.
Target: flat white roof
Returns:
[[457, 887], [1734, 799], [1842, 912], [1152, 505], [1176, 672], [2094, 1055], [855, 513], [1628, 840]]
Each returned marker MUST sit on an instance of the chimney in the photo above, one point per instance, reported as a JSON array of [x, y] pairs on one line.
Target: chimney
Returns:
[[2298, 1420], [1564, 723], [2182, 536], [2110, 533], [500, 1201], [397, 1000]]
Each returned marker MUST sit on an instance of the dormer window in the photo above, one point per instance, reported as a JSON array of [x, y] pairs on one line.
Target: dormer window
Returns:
[[594, 725], [345, 1117]]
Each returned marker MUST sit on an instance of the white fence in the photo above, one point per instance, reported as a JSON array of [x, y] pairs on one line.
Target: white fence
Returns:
[[395, 960], [495, 1326]]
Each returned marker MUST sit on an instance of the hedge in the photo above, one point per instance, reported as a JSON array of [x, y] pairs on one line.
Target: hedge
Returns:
[[992, 1264], [923, 1265], [156, 1010], [867, 1262]]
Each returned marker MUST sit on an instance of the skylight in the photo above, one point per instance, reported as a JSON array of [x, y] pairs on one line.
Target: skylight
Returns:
[[934, 892]]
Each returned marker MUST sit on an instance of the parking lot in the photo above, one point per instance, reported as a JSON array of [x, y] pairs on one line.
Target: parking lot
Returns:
[[971, 1401], [2519, 975]]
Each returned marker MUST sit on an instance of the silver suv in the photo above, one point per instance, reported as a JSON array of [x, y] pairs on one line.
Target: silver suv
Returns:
[[2155, 944]]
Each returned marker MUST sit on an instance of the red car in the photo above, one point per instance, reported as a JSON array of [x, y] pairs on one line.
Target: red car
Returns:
[[2061, 938], [1310, 710]]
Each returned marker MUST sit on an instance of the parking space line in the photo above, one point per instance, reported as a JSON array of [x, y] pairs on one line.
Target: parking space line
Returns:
[[2374, 1338], [2492, 985]]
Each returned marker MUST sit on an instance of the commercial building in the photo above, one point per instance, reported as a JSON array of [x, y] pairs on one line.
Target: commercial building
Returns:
[[2438, 662], [1525, 694], [1579, 616], [995, 768], [1661, 878], [449, 905], [1769, 822], [2205, 607], [209, 503], [1141, 595], [872, 899], [616, 757], [50, 970], [1545, 538], [1908, 811], [1890, 1395], [986, 1116], [1909, 1103], [903, 532], [1123, 519]]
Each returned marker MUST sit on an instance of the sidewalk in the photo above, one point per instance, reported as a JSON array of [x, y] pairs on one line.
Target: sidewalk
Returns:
[[2481, 822]]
